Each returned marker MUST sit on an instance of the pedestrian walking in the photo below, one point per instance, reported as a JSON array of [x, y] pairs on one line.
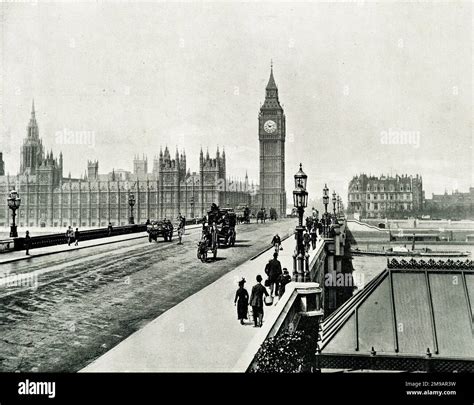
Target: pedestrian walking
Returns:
[[276, 243], [285, 278], [273, 271], [27, 243], [241, 300], [76, 237], [256, 301], [306, 240], [313, 235], [109, 228], [69, 235]]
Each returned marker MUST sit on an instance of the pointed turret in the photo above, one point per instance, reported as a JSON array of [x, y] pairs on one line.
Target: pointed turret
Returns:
[[271, 81], [271, 94]]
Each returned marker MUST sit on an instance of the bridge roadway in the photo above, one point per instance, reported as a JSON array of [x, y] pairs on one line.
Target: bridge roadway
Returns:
[[61, 311]]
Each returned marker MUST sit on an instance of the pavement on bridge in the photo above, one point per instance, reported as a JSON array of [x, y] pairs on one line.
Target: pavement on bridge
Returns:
[[200, 334], [20, 254]]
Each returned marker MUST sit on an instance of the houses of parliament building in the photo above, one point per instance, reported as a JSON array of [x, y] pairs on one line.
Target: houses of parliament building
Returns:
[[51, 199]]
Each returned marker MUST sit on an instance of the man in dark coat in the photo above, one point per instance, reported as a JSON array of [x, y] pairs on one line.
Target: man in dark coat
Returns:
[[27, 243], [276, 242], [76, 237], [273, 271], [256, 301], [306, 240], [313, 235]]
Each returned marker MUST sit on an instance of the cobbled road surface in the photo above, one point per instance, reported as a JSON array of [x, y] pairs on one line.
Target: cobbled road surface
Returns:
[[60, 312]]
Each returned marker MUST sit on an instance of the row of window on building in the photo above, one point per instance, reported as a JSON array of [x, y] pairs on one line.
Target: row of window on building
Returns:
[[381, 188], [356, 197]]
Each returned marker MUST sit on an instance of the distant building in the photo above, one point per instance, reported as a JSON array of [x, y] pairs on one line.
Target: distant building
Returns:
[[451, 206], [385, 196], [2, 165], [50, 199]]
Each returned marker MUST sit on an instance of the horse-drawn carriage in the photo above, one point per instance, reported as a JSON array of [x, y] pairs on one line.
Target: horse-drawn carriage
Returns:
[[273, 214], [261, 215], [224, 220], [208, 243], [242, 213], [160, 228], [217, 230]]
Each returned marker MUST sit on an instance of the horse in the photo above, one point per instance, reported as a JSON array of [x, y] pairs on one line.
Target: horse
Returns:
[[261, 215]]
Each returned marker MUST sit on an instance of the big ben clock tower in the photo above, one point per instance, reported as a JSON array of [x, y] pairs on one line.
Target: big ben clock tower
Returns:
[[271, 135]]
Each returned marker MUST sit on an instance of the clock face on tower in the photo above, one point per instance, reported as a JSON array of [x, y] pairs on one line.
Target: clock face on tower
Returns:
[[270, 126]]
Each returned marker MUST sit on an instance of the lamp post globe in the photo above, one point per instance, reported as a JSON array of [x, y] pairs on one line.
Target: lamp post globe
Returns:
[[14, 202]]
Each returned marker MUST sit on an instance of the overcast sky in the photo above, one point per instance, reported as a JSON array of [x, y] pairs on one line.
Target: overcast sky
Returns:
[[350, 75]]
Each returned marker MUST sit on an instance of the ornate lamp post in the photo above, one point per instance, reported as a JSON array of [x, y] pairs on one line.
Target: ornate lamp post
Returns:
[[14, 202], [300, 201], [334, 200], [338, 205], [325, 202], [131, 202]]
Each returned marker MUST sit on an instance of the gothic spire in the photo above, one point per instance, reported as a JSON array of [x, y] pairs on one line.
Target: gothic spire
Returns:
[[271, 81]]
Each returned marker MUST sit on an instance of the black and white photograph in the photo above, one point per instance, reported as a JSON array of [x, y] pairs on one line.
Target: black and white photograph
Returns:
[[217, 190]]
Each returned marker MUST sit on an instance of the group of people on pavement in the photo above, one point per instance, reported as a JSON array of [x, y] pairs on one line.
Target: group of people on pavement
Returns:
[[72, 236], [277, 279]]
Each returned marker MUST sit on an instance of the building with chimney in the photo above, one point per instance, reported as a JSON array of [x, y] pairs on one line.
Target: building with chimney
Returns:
[[385, 196]]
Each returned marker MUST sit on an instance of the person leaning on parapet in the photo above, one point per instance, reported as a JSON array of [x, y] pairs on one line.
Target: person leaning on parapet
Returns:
[[273, 271], [109, 228], [285, 278], [27, 243], [256, 301]]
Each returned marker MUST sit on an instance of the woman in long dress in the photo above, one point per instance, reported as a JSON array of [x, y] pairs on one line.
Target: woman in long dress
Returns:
[[242, 301]]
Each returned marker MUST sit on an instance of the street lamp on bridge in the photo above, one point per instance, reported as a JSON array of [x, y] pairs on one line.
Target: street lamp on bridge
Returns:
[[300, 201], [338, 205], [131, 203], [334, 200], [14, 202], [325, 202]]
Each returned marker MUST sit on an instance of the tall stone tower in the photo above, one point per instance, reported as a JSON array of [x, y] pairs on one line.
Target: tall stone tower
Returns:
[[92, 169], [140, 166], [271, 135], [32, 152]]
